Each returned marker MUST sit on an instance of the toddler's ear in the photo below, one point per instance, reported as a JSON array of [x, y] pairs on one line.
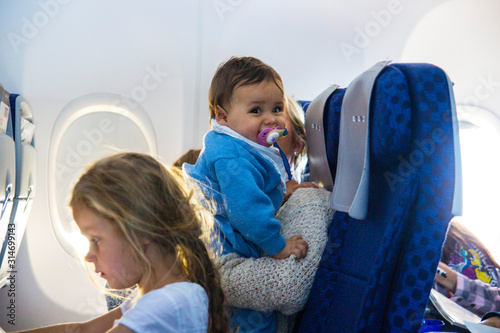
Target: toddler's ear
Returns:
[[145, 241], [221, 115], [300, 144]]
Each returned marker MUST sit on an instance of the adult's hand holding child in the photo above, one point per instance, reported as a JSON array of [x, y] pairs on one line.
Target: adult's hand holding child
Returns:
[[292, 185]]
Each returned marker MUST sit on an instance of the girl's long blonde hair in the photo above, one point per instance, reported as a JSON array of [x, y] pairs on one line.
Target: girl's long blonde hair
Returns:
[[296, 114], [146, 200], [459, 237]]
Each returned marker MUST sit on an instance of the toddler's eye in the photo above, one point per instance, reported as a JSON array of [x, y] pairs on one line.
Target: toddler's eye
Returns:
[[255, 111], [277, 110]]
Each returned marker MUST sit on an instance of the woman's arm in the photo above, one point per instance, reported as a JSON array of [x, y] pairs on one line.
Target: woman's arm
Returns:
[[473, 295], [450, 281], [100, 324], [491, 319]]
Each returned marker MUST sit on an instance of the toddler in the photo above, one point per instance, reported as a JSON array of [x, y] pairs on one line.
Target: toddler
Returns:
[[244, 178]]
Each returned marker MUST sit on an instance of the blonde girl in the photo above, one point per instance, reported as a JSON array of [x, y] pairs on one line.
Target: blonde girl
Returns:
[[145, 231], [294, 146]]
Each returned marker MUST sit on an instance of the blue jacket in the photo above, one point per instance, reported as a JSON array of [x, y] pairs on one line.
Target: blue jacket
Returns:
[[247, 190]]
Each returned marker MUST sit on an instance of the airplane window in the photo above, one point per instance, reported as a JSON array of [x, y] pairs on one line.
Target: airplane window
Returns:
[[480, 147], [89, 128]]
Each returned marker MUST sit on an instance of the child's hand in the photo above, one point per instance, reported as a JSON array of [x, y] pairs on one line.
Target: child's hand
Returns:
[[292, 185], [294, 245]]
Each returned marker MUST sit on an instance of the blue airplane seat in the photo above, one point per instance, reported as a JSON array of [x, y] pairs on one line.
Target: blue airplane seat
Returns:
[[7, 174], [378, 267], [25, 176]]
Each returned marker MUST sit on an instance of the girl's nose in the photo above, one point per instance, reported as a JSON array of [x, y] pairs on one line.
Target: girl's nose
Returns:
[[89, 257]]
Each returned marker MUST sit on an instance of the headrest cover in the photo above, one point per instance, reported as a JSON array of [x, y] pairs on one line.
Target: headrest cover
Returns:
[[350, 192], [320, 172], [456, 208]]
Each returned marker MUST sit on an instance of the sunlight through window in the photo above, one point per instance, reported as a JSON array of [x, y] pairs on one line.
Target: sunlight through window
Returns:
[[480, 148]]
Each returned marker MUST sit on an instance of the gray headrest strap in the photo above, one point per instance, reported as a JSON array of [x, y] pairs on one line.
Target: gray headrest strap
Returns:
[[315, 138], [456, 208], [350, 192]]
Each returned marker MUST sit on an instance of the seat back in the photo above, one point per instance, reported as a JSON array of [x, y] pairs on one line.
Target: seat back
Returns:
[[24, 163], [7, 176], [376, 274]]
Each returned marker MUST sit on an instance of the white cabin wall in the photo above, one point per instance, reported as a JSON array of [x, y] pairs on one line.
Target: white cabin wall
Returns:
[[312, 44], [90, 46], [460, 37]]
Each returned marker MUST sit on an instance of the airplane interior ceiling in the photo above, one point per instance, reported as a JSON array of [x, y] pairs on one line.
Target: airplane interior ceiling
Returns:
[[161, 56]]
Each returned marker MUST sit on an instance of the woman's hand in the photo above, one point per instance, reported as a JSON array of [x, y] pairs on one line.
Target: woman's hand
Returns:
[[493, 321], [292, 185], [450, 281]]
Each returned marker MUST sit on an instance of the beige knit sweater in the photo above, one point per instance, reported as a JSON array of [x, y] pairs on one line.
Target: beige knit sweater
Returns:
[[268, 284]]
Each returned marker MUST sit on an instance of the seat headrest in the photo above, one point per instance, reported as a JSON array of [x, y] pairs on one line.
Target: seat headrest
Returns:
[[396, 90], [390, 119]]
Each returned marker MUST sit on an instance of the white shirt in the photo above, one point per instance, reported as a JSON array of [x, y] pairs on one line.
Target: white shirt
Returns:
[[177, 307]]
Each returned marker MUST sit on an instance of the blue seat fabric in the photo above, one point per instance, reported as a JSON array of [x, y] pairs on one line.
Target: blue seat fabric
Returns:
[[376, 274]]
